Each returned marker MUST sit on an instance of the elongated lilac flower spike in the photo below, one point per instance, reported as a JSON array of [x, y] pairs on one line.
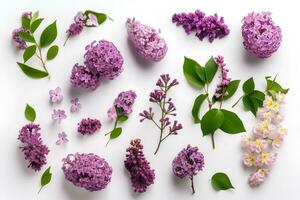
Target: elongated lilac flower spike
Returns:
[[167, 108], [224, 80], [141, 174], [146, 40]]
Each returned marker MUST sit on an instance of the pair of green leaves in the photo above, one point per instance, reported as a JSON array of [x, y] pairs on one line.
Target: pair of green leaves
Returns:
[[30, 113], [46, 178], [222, 119], [197, 75], [273, 87], [47, 37], [220, 181]]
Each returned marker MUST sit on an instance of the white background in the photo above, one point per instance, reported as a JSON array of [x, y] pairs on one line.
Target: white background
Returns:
[[18, 182]]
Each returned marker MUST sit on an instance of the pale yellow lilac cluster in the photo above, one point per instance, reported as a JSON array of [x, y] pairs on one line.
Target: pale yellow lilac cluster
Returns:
[[260, 149]]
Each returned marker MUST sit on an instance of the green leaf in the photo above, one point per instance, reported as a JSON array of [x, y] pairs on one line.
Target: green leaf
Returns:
[[232, 124], [29, 52], [35, 15], [48, 35], [220, 181], [52, 52], [32, 72], [46, 178], [211, 121], [259, 96], [200, 71], [273, 85], [211, 68], [115, 133], [25, 22], [101, 17], [231, 89], [34, 25], [250, 103], [190, 72], [26, 37], [196, 107], [30, 113], [249, 86], [122, 118]]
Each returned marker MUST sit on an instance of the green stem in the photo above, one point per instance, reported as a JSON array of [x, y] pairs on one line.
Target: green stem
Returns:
[[192, 185], [237, 101], [115, 126], [66, 40], [40, 189], [40, 56], [213, 140]]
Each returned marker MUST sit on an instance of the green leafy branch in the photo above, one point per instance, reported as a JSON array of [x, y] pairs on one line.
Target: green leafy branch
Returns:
[[253, 99], [34, 47], [214, 118]]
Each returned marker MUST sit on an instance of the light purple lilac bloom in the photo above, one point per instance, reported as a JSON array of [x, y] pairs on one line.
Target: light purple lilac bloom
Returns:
[[141, 174], [205, 26], [19, 42], [188, 163], [89, 126], [77, 26], [55, 95], [58, 115], [224, 80], [146, 40], [82, 77], [62, 138], [261, 35], [88, 171], [27, 15], [104, 59], [33, 148], [75, 105], [91, 20]]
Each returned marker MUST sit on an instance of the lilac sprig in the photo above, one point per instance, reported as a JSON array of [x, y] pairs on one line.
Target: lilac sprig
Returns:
[[167, 108], [224, 80]]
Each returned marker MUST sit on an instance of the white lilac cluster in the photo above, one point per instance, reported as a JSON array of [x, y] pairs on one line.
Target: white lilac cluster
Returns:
[[268, 135]]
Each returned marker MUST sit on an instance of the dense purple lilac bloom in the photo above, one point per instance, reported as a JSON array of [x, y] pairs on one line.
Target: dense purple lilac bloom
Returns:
[[261, 36], [124, 102], [33, 148], [77, 26], [104, 59], [188, 163], [88, 171], [88, 126], [19, 42], [141, 175], [146, 40], [81, 76], [205, 26], [167, 108], [224, 80]]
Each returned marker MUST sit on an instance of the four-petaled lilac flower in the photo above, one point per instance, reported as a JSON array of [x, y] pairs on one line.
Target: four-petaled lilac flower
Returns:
[[58, 115], [92, 20], [62, 138], [75, 105], [188, 163], [141, 174], [55, 95], [224, 80], [205, 26]]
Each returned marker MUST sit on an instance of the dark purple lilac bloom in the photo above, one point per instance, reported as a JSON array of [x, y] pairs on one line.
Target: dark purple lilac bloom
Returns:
[[82, 77], [167, 107], [88, 171], [33, 148], [262, 36], [19, 42], [146, 40], [224, 80], [89, 126], [188, 163], [104, 59], [141, 175], [205, 26]]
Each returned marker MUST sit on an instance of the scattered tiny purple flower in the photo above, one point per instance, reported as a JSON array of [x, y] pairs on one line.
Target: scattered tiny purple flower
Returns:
[[75, 105], [58, 115], [55, 95], [62, 138], [92, 20]]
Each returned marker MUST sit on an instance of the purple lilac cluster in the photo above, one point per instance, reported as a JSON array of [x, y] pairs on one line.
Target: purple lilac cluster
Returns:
[[261, 35], [205, 26], [146, 40], [34, 149], [102, 61], [188, 163], [88, 126], [77, 26], [19, 42], [122, 104], [159, 97], [141, 175], [88, 171], [224, 80]]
